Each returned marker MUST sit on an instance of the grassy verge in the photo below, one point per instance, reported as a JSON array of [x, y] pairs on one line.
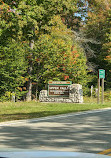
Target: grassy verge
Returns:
[[26, 110]]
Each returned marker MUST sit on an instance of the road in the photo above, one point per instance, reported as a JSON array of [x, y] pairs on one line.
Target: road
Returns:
[[81, 132]]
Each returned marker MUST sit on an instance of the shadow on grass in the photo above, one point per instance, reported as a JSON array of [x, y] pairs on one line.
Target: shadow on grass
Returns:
[[20, 116], [38, 114]]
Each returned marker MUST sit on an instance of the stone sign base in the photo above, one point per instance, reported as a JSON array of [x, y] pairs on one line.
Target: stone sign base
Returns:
[[75, 95]]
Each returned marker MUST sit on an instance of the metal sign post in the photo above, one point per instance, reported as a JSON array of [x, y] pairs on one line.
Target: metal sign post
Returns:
[[101, 75]]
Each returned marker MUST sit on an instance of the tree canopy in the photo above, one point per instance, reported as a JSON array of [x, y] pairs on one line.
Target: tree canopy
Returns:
[[42, 40]]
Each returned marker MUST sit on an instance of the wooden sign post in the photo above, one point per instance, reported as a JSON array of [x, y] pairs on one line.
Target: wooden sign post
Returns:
[[102, 99], [101, 75], [98, 97]]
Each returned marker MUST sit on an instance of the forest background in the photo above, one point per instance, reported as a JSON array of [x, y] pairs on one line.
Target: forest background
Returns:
[[42, 40]]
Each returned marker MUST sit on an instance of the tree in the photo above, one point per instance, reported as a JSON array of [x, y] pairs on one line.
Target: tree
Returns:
[[98, 28], [12, 69], [25, 21], [58, 56]]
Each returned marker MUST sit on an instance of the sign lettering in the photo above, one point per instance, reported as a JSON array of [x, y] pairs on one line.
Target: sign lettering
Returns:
[[59, 88], [101, 73]]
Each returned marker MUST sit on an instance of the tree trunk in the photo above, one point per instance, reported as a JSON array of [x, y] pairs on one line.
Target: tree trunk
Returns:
[[29, 93], [29, 82], [36, 91]]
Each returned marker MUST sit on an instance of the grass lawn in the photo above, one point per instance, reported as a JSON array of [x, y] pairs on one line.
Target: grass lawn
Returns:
[[26, 110]]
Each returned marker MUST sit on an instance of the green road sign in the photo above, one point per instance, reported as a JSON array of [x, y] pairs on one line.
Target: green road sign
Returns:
[[101, 73]]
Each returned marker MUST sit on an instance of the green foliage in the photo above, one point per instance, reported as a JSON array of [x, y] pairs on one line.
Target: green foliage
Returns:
[[107, 95], [57, 57], [56, 54], [20, 22], [12, 67], [98, 28]]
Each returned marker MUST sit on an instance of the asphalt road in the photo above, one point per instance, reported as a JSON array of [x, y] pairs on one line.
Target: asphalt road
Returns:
[[81, 132]]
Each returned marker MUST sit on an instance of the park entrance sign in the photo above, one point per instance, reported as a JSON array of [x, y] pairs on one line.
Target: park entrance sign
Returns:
[[63, 92], [59, 88]]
